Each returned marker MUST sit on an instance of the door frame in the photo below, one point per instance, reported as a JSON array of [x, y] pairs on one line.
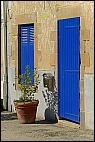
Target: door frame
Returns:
[[17, 23], [82, 65]]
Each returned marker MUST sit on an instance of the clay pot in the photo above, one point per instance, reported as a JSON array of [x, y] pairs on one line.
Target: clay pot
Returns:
[[26, 112]]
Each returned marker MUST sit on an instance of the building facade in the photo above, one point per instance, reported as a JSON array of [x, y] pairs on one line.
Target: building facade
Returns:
[[45, 15]]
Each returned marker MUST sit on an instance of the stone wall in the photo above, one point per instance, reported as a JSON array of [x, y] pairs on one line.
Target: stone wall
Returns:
[[44, 14], [22, 12]]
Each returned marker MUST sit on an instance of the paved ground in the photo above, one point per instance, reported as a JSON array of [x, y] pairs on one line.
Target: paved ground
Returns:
[[11, 130]]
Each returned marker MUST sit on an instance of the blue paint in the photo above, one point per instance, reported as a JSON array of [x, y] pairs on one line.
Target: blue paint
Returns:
[[69, 68], [26, 48]]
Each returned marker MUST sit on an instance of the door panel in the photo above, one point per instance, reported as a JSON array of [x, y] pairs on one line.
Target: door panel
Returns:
[[69, 68]]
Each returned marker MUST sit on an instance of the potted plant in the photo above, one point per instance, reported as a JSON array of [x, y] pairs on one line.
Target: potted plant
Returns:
[[26, 106]]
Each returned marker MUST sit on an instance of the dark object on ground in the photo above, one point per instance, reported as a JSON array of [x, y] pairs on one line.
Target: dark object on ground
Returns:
[[50, 115]]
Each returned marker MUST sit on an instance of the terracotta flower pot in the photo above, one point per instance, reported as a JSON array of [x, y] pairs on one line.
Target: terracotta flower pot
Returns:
[[26, 112]]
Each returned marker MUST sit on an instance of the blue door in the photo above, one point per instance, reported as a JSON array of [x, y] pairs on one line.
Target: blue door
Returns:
[[69, 69], [26, 48]]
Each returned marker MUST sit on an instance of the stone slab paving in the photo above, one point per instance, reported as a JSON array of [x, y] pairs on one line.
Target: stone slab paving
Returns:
[[12, 130]]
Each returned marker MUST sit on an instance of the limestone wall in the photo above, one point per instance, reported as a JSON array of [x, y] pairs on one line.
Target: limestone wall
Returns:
[[44, 15], [45, 25]]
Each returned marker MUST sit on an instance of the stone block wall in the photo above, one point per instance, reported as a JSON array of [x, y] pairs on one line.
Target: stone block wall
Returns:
[[44, 15]]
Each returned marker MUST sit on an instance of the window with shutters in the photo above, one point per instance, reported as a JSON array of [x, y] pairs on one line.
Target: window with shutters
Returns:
[[26, 47]]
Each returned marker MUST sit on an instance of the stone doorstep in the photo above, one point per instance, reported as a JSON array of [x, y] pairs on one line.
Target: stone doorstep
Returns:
[[63, 123]]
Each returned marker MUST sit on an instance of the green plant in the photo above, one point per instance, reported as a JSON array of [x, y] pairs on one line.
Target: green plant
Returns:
[[26, 86]]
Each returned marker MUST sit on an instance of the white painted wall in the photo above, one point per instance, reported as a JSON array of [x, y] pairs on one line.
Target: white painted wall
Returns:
[[89, 100], [42, 104], [2, 49], [2, 10]]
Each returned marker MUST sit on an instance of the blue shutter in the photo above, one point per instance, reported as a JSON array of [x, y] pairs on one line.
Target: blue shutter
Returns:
[[26, 48], [69, 68]]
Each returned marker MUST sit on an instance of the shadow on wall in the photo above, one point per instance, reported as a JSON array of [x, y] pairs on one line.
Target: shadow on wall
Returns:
[[1, 105]]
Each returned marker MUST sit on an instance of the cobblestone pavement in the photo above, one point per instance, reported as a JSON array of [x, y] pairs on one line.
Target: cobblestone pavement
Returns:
[[12, 130]]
